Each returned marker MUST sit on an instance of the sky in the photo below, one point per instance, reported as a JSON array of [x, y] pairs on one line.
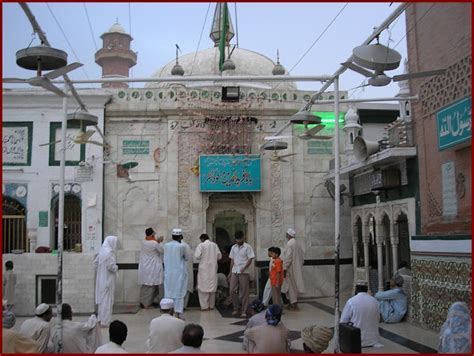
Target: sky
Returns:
[[292, 28]]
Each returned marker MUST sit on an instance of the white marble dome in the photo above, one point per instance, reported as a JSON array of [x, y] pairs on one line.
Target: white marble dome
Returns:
[[207, 63], [117, 28]]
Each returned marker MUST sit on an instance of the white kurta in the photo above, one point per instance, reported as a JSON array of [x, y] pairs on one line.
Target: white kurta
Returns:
[[106, 267], [78, 338], [39, 330], [189, 266], [9, 283], [207, 254], [111, 348], [165, 334], [150, 266], [14, 342], [176, 273], [293, 259], [363, 311]]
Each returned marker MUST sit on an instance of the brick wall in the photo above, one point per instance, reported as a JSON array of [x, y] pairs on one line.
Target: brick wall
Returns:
[[439, 36]]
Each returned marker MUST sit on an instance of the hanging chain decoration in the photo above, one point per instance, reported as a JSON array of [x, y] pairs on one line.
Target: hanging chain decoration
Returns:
[[226, 127]]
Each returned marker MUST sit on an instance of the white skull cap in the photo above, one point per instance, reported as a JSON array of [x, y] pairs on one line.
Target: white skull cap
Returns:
[[41, 309], [177, 232], [291, 232], [166, 304]]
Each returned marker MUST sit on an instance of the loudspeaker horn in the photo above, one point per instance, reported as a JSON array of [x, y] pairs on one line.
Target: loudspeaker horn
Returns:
[[363, 148]]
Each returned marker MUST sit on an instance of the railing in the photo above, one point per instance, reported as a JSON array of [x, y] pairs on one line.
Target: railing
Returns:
[[14, 234]]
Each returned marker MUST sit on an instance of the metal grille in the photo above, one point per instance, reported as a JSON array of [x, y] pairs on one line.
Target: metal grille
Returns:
[[72, 223], [15, 234]]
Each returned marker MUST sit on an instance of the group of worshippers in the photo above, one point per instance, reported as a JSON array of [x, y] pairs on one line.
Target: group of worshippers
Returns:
[[266, 333], [177, 278], [40, 335], [366, 311]]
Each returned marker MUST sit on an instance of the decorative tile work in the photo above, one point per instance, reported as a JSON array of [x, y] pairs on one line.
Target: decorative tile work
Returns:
[[444, 89], [438, 281], [438, 92]]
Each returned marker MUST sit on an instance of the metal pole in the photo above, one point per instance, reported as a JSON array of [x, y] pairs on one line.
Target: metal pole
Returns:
[[207, 78], [398, 11], [62, 171], [337, 206]]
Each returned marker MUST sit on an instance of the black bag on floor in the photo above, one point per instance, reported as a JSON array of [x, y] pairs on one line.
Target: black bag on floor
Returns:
[[349, 338]]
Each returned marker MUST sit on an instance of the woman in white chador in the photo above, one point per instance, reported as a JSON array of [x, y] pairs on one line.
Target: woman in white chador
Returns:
[[106, 267]]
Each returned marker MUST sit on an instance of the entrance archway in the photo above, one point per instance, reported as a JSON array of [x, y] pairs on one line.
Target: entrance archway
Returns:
[[226, 214], [14, 226], [72, 222], [403, 240]]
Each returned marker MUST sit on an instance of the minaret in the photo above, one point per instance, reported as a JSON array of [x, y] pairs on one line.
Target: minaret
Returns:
[[352, 129], [405, 120], [115, 57]]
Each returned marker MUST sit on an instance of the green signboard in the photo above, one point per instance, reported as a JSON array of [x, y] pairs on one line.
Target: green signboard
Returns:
[[43, 219], [454, 123], [136, 147], [229, 173]]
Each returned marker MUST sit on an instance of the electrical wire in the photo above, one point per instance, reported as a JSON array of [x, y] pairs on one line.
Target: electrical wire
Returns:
[[90, 26], [67, 40], [319, 37], [418, 21], [362, 85], [200, 37]]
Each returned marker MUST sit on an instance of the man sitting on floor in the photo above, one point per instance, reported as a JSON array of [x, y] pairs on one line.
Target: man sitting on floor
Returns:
[[363, 311], [393, 302]]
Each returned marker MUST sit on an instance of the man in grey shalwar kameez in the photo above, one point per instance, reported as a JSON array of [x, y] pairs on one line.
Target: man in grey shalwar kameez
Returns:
[[176, 272]]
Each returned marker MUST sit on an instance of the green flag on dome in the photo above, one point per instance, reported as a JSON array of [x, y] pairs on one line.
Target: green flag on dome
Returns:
[[223, 37]]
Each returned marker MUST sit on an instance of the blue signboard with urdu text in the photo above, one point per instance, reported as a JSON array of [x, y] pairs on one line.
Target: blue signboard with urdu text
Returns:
[[454, 123], [229, 173]]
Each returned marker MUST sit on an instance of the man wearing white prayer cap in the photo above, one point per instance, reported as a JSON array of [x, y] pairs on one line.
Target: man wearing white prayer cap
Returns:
[[176, 272], [165, 330], [39, 327], [293, 259]]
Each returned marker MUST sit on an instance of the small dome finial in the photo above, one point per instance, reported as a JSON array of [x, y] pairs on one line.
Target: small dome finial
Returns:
[[177, 68], [278, 69]]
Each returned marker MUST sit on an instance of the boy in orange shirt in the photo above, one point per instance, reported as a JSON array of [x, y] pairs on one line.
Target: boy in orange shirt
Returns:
[[276, 274]]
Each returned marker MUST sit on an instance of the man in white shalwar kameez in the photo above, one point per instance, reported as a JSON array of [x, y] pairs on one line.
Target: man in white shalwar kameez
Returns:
[[207, 254], [106, 267], [78, 338], [176, 271], [363, 311], [118, 332], [166, 330], [293, 259], [39, 327], [150, 268]]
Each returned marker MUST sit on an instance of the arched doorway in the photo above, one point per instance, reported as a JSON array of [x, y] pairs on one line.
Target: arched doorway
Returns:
[[14, 226], [226, 224], [72, 222], [360, 244], [373, 264], [226, 214], [403, 240], [387, 250]]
